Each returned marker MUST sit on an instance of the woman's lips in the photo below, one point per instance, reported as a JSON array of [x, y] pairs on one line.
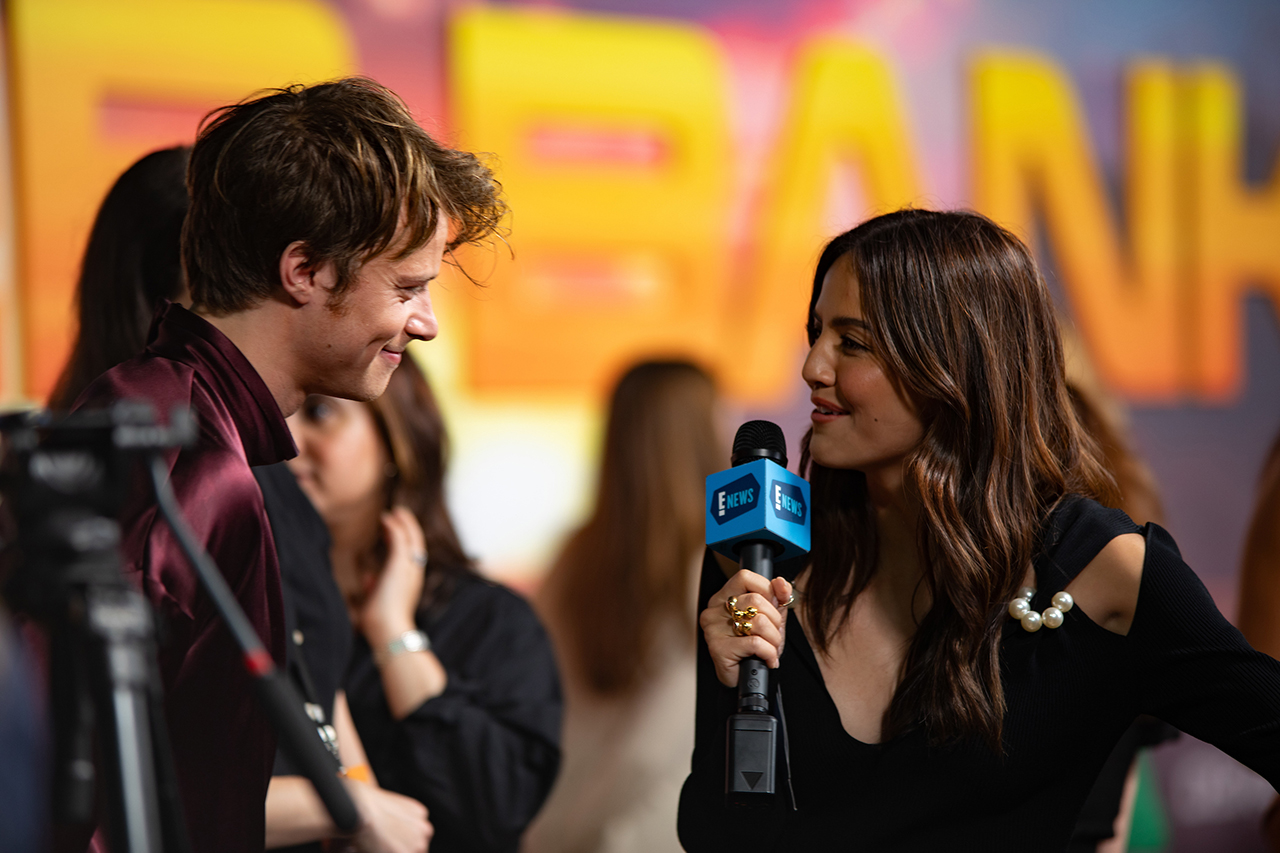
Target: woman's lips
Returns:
[[824, 413], [391, 355]]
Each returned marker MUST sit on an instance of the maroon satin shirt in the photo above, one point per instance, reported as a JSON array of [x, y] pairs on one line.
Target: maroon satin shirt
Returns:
[[223, 745]]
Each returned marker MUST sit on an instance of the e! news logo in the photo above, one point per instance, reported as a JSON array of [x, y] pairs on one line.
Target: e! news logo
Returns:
[[787, 501], [730, 501]]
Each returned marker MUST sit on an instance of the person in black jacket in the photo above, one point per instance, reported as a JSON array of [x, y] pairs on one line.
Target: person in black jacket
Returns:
[[453, 684]]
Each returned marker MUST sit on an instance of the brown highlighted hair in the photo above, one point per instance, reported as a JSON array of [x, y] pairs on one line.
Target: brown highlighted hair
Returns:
[[959, 314], [413, 432], [340, 166], [628, 568]]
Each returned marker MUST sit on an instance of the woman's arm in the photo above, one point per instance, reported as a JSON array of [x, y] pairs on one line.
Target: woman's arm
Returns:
[[1194, 670], [409, 678], [483, 754], [391, 823], [350, 749]]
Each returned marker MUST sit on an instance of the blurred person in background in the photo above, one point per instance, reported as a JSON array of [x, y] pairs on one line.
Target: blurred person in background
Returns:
[[620, 603], [1259, 608], [452, 682], [132, 265]]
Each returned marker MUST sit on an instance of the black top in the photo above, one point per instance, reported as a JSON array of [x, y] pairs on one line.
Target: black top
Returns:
[[482, 755], [317, 628], [1071, 693]]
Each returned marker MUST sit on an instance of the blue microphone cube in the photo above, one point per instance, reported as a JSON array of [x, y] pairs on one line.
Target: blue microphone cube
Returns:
[[755, 501]]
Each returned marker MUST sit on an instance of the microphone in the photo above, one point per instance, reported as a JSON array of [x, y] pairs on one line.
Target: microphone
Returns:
[[757, 512]]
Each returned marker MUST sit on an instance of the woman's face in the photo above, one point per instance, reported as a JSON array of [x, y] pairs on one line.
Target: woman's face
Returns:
[[341, 462], [862, 418]]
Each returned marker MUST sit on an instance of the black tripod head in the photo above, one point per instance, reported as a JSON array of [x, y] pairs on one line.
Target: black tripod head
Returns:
[[63, 479]]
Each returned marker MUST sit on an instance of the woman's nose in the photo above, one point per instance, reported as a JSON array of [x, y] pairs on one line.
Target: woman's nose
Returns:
[[817, 371]]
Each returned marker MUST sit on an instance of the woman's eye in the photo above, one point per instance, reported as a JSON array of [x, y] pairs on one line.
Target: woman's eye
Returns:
[[853, 344], [317, 410]]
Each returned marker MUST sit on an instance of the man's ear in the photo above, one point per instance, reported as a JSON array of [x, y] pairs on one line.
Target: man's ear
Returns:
[[300, 279]]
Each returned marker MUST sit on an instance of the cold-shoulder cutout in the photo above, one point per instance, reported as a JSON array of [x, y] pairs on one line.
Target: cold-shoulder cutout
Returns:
[[1106, 590]]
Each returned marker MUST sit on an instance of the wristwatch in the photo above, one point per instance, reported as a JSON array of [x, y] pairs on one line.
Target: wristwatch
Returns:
[[409, 641]]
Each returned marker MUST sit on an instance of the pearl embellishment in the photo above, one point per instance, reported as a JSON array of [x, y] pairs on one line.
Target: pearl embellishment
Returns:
[[1052, 617]]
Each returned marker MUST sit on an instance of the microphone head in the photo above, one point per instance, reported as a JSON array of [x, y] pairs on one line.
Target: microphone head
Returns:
[[758, 499], [759, 440]]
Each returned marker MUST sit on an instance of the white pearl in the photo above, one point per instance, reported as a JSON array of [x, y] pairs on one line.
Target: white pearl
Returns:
[[1031, 621], [1026, 592], [1052, 617], [1063, 601], [1018, 608]]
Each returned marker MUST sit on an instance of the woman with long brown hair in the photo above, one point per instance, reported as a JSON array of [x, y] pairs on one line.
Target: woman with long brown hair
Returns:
[[452, 682], [967, 641], [629, 694]]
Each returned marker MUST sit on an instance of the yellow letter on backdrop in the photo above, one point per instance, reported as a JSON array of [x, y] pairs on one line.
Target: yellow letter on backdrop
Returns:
[[844, 110], [78, 66], [612, 145], [1030, 142], [1235, 230]]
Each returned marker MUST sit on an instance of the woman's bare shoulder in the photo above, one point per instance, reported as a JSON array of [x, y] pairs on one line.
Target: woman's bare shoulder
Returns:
[[1106, 590]]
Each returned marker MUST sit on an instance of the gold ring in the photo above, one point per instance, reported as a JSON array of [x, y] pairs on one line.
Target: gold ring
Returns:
[[749, 613], [791, 601], [731, 604], [742, 629]]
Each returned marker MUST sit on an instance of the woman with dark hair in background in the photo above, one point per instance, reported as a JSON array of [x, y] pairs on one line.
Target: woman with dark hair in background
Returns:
[[131, 266], [968, 640], [619, 602], [452, 682]]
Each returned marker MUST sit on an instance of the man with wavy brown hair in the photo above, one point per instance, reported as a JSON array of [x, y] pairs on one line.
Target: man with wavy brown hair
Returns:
[[319, 216]]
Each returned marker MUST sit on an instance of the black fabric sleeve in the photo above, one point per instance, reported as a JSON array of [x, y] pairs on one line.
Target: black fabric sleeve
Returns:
[[1195, 670], [483, 755]]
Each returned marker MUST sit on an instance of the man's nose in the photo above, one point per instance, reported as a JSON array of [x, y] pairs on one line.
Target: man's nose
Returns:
[[422, 323]]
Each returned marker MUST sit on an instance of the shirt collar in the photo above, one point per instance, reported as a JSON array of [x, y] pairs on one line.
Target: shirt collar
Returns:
[[185, 337]]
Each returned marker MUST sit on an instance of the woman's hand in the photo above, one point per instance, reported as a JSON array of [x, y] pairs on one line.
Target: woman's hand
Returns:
[[768, 625], [393, 595], [391, 823], [388, 612]]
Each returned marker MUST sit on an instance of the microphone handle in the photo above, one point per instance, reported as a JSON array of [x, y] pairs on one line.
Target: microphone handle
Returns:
[[752, 732], [753, 675]]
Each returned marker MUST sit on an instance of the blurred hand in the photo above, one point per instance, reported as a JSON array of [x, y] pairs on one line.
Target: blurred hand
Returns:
[[391, 823], [392, 597], [768, 626]]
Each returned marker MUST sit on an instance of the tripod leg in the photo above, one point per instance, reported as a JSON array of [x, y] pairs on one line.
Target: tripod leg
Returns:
[[120, 621], [74, 781], [173, 824]]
